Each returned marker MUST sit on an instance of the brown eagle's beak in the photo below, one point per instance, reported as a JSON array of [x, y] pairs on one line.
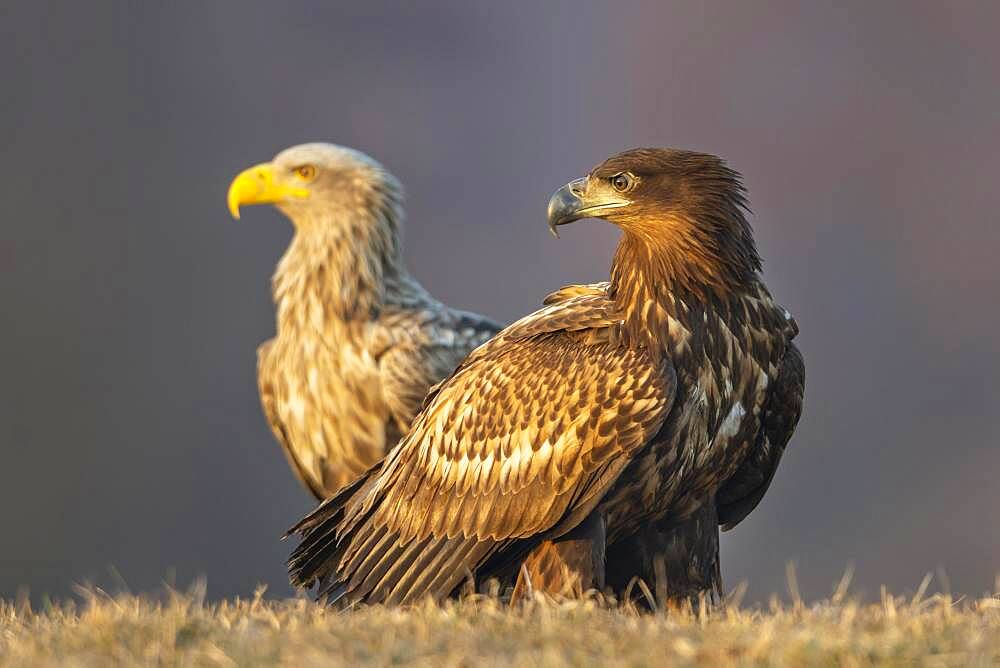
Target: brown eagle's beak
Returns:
[[577, 200], [258, 185], [565, 205]]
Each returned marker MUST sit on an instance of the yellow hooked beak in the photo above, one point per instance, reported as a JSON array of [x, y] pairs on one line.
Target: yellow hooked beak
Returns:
[[258, 185]]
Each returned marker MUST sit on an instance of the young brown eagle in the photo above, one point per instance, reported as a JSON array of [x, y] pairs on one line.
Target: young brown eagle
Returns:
[[609, 416], [359, 342]]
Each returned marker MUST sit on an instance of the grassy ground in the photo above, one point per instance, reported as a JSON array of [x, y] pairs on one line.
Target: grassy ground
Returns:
[[181, 629]]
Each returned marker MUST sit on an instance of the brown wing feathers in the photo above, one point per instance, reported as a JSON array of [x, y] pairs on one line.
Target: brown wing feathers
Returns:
[[487, 467], [744, 490]]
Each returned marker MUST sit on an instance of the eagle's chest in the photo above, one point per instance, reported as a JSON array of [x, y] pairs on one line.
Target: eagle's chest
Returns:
[[328, 387]]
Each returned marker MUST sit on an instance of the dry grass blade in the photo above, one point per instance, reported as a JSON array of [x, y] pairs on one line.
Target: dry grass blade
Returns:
[[921, 590], [793, 585], [843, 586]]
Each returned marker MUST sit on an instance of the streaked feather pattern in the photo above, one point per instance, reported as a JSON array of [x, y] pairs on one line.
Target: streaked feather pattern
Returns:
[[487, 464], [359, 341]]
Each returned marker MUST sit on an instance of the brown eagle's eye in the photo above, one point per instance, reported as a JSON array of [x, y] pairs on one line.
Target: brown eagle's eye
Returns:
[[621, 182], [306, 172]]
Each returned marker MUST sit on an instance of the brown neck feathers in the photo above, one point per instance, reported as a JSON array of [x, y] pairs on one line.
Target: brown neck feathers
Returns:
[[337, 266]]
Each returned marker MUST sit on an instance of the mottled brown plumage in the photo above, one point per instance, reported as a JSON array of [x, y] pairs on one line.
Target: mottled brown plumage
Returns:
[[359, 341], [611, 412], [682, 556]]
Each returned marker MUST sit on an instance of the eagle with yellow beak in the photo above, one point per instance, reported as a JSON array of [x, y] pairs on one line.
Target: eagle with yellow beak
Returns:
[[359, 341]]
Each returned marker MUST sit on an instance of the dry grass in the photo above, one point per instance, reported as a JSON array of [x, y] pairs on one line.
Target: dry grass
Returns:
[[182, 629]]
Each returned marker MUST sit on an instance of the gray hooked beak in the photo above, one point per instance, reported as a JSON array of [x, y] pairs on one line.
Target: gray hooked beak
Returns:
[[565, 204], [575, 201]]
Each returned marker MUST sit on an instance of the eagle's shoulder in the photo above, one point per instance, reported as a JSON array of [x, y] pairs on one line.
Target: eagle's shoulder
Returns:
[[417, 341], [576, 290], [408, 311], [765, 312], [573, 314]]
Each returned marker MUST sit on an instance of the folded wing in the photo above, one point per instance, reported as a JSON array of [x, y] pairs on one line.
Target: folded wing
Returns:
[[519, 444]]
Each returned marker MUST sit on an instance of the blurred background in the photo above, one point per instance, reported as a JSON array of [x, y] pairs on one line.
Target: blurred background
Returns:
[[133, 447]]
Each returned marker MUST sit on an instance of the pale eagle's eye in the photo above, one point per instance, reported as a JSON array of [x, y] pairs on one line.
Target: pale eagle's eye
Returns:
[[622, 182], [306, 172]]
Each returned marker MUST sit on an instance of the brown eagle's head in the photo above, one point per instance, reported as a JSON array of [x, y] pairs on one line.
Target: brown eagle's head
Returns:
[[686, 208], [316, 184]]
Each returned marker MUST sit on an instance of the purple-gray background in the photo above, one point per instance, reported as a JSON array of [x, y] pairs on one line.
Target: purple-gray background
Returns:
[[130, 431]]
